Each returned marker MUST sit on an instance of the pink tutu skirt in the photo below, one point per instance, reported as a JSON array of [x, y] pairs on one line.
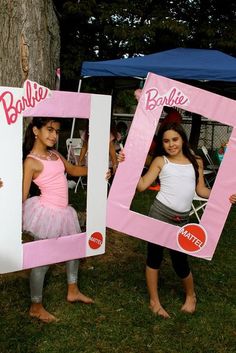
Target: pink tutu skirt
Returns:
[[45, 221]]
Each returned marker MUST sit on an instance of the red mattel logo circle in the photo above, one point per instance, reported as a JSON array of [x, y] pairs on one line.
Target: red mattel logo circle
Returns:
[[192, 237], [95, 240]]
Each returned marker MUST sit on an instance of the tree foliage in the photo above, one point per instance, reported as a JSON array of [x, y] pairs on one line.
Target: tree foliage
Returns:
[[100, 30]]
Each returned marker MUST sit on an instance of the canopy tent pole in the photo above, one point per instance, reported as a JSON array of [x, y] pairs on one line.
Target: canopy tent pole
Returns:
[[73, 123]]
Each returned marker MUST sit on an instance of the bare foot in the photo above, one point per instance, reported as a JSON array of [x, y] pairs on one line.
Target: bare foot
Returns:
[[74, 295], [37, 311], [157, 309], [190, 304]]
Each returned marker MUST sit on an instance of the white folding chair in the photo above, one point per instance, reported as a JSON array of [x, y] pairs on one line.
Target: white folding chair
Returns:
[[198, 206], [211, 168], [74, 146], [211, 165], [209, 176]]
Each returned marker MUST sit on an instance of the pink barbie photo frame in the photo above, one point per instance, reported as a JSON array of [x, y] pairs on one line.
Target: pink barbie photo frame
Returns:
[[198, 240], [35, 100]]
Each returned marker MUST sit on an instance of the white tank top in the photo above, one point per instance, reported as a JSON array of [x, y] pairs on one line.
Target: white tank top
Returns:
[[177, 186]]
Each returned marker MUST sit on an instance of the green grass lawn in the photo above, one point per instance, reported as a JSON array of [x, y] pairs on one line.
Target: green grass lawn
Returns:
[[120, 320]]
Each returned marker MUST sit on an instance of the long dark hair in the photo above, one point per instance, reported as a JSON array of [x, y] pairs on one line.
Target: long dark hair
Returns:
[[29, 139], [187, 151]]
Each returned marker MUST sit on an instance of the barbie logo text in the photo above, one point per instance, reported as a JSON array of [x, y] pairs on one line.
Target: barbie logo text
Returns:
[[33, 94], [173, 97]]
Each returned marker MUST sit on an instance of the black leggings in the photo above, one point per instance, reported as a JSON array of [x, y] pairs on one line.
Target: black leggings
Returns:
[[179, 259], [155, 252]]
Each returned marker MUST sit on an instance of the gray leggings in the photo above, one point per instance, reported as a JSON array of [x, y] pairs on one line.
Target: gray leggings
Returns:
[[37, 276], [155, 252]]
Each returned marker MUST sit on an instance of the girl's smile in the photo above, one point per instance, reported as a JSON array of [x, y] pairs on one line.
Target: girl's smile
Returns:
[[48, 134], [172, 142]]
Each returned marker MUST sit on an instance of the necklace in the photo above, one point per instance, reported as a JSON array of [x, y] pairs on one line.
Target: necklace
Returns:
[[48, 156]]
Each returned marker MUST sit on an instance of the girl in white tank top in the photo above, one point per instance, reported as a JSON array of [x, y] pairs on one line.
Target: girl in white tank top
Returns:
[[177, 185], [181, 175]]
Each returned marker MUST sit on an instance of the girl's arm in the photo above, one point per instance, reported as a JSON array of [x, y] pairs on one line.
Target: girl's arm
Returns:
[[201, 188], [154, 170], [1, 183], [28, 172], [232, 198], [73, 170], [76, 170], [83, 152], [112, 153]]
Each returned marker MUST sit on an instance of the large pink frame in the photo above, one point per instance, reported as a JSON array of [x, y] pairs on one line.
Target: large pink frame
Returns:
[[35, 100], [157, 92], [97, 109]]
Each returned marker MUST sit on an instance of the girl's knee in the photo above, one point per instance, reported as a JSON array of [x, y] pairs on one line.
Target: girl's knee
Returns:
[[181, 268], [180, 264], [154, 256]]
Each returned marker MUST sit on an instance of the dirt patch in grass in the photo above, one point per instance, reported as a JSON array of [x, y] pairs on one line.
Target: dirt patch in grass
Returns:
[[118, 245]]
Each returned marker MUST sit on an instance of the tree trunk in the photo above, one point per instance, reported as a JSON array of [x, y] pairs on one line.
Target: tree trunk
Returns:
[[29, 42]]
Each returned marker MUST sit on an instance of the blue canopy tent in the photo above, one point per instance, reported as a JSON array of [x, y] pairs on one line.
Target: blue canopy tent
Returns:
[[179, 63], [210, 69]]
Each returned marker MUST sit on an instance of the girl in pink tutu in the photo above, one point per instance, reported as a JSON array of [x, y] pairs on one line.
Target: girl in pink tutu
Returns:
[[48, 215]]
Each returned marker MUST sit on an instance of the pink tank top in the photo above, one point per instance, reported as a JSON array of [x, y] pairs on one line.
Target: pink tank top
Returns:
[[52, 183]]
